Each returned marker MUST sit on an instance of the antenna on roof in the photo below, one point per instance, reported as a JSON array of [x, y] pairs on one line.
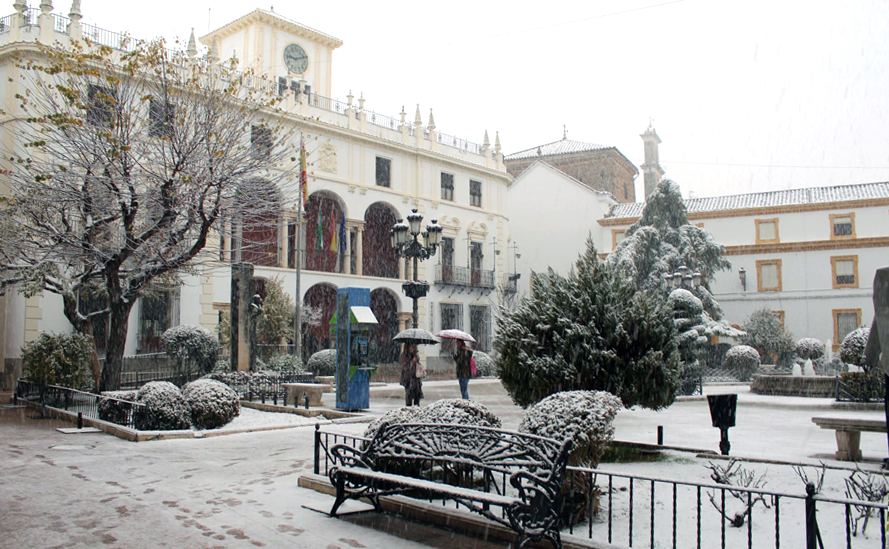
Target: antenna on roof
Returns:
[[208, 19], [564, 132]]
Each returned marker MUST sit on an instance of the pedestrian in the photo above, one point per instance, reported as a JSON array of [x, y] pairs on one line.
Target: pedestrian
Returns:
[[413, 385], [463, 358]]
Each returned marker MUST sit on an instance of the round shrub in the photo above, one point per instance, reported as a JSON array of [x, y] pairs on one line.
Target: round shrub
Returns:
[[449, 410], [212, 403], [63, 359], [165, 408], [111, 408], [191, 346], [809, 349], [285, 364], [323, 363], [852, 347], [484, 364], [743, 360], [585, 417]]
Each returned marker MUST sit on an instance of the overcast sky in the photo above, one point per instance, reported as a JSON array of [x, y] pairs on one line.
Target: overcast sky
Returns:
[[747, 96]]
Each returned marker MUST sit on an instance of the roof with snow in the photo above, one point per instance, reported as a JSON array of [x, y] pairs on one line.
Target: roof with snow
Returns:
[[790, 197], [563, 146]]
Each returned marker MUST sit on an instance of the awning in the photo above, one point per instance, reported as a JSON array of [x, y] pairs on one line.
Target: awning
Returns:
[[359, 314]]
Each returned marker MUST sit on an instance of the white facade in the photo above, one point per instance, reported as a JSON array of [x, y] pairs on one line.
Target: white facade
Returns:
[[344, 141]]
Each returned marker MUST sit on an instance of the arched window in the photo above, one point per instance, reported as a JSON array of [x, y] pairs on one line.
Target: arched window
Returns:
[[255, 239], [379, 257]]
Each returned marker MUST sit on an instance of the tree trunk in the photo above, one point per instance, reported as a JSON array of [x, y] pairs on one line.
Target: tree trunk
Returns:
[[117, 340], [84, 327]]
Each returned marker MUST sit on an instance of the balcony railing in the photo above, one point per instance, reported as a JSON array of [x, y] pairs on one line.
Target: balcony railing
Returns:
[[5, 23], [60, 23], [464, 276]]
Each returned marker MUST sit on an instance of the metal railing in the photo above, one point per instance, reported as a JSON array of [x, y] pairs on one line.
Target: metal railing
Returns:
[[871, 388], [5, 23], [648, 511], [104, 37], [464, 276], [457, 143], [60, 23], [264, 387], [121, 412], [382, 120], [29, 17]]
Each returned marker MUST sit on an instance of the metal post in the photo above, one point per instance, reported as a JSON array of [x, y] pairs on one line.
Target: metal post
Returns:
[[80, 420], [724, 444], [416, 299], [660, 435], [811, 521], [306, 400], [317, 448]]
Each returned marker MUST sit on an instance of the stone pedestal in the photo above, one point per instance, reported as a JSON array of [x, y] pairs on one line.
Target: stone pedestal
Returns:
[[848, 445], [295, 392]]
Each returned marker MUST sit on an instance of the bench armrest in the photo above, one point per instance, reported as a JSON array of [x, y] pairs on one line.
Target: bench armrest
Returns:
[[348, 456]]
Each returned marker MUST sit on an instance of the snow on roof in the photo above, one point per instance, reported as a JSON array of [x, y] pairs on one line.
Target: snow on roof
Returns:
[[789, 197], [563, 146]]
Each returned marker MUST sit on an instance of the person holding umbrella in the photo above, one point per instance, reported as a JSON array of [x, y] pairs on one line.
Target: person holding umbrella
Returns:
[[413, 385], [463, 358]]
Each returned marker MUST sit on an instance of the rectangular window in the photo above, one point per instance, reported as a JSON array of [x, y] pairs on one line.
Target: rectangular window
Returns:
[[769, 275], [384, 172], [845, 271], [475, 193], [617, 236], [100, 111], [766, 231], [158, 311], [261, 142], [780, 316], [447, 186], [842, 226], [160, 118], [476, 263], [844, 321], [447, 259], [480, 326], [451, 318]]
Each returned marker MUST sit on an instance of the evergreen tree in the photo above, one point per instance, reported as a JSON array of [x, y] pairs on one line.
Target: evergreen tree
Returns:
[[591, 330], [662, 240], [766, 334]]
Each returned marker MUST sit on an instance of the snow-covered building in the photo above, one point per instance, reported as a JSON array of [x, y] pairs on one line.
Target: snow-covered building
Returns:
[[366, 171]]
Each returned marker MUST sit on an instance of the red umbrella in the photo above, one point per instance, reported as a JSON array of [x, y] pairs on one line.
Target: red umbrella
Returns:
[[455, 334]]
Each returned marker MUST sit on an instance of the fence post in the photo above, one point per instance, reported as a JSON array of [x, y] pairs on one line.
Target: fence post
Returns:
[[811, 521], [317, 448]]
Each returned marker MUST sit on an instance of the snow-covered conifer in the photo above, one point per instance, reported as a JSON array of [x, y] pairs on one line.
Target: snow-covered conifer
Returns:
[[765, 332]]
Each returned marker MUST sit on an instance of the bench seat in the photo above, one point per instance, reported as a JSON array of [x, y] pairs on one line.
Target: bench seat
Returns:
[[848, 433]]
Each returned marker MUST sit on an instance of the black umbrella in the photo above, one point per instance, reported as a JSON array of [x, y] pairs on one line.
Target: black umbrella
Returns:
[[417, 336]]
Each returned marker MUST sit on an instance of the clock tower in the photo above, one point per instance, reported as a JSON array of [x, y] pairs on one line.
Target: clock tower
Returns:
[[273, 45], [651, 169]]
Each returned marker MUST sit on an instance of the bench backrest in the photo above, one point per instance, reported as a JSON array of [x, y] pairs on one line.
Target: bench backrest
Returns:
[[483, 447]]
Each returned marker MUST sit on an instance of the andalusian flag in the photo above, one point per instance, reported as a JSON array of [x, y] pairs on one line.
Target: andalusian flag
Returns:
[[333, 247], [319, 233], [303, 176]]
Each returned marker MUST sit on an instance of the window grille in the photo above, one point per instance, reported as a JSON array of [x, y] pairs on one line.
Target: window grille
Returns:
[[475, 193], [384, 172], [447, 186]]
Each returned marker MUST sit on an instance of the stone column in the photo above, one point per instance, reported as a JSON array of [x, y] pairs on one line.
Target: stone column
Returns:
[[347, 268], [45, 21], [359, 251], [241, 319], [75, 31], [18, 21], [282, 241]]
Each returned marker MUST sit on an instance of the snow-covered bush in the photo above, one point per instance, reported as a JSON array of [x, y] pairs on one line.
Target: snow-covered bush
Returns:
[[450, 410], [286, 364], [62, 359], [191, 346], [165, 408], [765, 332], [691, 335], [585, 417], [591, 330], [809, 348], [222, 366], [852, 347], [863, 386], [743, 360], [112, 409], [212, 403], [323, 363], [484, 364]]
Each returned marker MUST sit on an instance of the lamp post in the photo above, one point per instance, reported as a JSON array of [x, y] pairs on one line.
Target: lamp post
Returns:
[[682, 278], [406, 243]]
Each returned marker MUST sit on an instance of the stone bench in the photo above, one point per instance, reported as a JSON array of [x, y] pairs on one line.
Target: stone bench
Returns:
[[295, 392], [848, 433], [329, 381]]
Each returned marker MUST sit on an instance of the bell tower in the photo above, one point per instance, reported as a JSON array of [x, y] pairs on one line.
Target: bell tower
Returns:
[[651, 169]]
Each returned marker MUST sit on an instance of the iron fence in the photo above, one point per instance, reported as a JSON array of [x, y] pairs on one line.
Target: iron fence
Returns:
[[649, 511], [80, 402], [262, 386], [861, 387]]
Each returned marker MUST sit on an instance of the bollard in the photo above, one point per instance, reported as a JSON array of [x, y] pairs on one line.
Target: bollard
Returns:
[[284, 397], [15, 400], [660, 435], [262, 396], [80, 420], [275, 398], [306, 400]]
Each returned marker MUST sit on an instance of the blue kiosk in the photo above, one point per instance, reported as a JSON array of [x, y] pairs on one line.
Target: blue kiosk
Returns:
[[351, 326]]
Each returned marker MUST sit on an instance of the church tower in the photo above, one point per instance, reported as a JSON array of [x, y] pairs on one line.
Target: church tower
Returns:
[[651, 169]]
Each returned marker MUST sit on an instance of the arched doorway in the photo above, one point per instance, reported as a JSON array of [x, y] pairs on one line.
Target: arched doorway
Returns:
[[384, 305], [256, 226], [325, 225], [379, 257], [316, 333]]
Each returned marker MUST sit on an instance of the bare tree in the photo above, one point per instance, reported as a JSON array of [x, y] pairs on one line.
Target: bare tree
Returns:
[[125, 167], [734, 474], [865, 486]]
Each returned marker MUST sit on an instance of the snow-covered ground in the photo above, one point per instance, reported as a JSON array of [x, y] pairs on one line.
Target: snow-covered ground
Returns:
[[89, 490]]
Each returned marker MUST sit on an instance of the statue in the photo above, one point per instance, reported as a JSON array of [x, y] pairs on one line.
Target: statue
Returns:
[[878, 339]]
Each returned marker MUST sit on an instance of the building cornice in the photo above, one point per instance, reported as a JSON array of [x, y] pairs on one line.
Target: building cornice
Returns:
[[808, 246], [273, 20]]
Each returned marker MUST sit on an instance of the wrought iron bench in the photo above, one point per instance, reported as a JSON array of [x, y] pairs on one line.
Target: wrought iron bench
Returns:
[[510, 478], [848, 433]]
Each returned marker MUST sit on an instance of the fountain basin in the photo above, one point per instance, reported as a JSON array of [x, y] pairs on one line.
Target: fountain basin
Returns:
[[802, 386]]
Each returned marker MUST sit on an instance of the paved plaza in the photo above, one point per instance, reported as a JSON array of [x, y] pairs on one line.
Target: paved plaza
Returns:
[[95, 490]]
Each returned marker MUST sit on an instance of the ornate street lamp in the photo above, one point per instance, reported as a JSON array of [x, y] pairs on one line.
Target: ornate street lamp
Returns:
[[682, 278], [406, 243]]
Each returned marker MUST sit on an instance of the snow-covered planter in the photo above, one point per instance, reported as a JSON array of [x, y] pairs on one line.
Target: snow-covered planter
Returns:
[[586, 418], [111, 408], [852, 348], [288, 364], [484, 364], [743, 360], [191, 346], [809, 348], [212, 403], [165, 408], [323, 363]]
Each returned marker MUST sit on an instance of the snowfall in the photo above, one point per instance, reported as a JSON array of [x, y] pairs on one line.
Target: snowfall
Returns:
[[240, 489]]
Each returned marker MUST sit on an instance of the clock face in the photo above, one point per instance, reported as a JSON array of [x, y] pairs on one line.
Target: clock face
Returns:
[[295, 58]]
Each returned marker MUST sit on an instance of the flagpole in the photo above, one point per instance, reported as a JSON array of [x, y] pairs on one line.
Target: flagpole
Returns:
[[302, 195]]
